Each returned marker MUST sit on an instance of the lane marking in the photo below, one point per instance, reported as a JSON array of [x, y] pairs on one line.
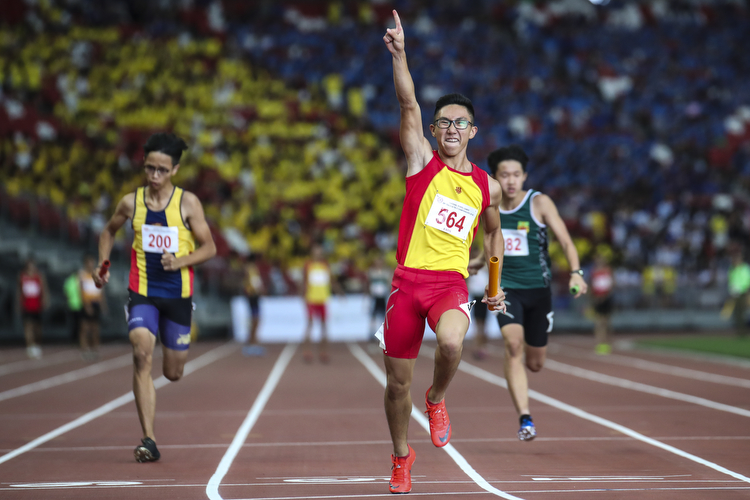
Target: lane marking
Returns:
[[499, 381], [76, 484], [417, 415], [462, 493], [212, 488], [30, 364], [676, 371], [637, 386], [89, 371], [380, 442], [704, 357], [190, 366]]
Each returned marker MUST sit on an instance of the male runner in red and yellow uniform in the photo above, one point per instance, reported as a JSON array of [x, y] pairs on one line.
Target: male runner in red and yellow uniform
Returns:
[[445, 196], [167, 222]]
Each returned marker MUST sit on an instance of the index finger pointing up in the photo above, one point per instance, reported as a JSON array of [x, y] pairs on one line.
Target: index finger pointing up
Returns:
[[397, 19]]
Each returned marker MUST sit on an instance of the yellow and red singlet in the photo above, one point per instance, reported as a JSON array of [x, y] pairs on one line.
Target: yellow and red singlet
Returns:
[[156, 232], [318, 282], [440, 217]]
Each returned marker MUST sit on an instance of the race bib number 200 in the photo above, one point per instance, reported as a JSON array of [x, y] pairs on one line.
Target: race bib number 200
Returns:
[[157, 239], [451, 216]]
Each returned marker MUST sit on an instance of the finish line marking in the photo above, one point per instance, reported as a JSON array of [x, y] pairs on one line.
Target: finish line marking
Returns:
[[417, 415]]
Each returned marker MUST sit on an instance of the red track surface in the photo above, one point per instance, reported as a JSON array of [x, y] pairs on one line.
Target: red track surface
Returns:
[[323, 434]]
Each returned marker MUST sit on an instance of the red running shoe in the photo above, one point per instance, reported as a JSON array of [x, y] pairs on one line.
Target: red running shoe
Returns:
[[440, 422], [401, 473]]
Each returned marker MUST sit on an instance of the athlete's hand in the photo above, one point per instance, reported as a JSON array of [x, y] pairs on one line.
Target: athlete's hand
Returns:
[[498, 301], [577, 281], [100, 280], [169, 261], [394, 37]]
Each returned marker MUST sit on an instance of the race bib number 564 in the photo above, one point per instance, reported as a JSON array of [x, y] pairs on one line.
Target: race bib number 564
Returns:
[[156, 239], [451, 216]]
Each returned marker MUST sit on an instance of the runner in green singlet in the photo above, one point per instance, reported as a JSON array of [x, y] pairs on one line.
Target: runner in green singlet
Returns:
[[526, 275]]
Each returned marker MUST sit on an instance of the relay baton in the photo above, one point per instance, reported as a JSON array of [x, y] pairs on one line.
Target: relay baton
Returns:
[[494, 278], [574, 289], [103, 270]]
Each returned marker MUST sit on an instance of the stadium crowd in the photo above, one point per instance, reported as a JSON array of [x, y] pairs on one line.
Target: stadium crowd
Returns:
[[635, 115]]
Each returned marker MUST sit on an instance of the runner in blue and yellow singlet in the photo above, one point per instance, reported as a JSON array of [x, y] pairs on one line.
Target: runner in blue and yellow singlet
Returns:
[[167, 223], [526, 275], [446, 197]]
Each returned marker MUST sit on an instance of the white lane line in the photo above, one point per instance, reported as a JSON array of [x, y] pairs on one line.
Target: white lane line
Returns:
[[676, 371], [31, 364], [317, 444], [212, 488], [89, 371], [496, 380], [191, 366], [417, 415], [637, 386], [684, 354], [466, 493]]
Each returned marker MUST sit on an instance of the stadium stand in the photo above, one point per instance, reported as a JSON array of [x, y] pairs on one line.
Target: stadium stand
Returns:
[[635, 115]]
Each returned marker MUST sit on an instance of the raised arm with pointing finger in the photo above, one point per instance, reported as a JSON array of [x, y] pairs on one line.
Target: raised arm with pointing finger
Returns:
[[416, 147]]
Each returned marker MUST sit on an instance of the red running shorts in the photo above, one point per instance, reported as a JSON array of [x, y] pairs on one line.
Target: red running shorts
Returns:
[[416, 295]]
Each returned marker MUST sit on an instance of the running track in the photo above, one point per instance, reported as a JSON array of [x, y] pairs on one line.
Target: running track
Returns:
[[645, 425]]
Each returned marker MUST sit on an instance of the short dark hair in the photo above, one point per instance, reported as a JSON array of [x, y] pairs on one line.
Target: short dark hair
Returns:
[[512, 152], [169, 144], [449, 99]]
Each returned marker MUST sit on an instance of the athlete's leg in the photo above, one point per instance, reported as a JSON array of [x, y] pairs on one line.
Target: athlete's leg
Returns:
[[450, 332], [514, 367], [323, 346], [143, 342], [83, 338], [306, 343], [95, 334], [535, 357], [173, 362], [398, 403], [254, 322]]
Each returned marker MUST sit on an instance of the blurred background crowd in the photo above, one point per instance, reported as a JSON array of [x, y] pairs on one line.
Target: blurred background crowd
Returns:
[[635, 114]]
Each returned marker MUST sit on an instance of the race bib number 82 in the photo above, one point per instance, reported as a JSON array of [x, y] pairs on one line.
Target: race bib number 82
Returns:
[[451, 216], [516, 242], [156, 239]]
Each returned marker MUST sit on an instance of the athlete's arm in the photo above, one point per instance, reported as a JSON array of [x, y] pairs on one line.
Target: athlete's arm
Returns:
[[123, 212], [305, 269], [416, 147], [547, 213], [494, 244], [194, 216]]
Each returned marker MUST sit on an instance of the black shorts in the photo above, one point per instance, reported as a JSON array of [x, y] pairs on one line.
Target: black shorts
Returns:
[[34, 317], [378, 306], [480, 308], [254, 302], [96, 312], [532, 309], [605, 306]]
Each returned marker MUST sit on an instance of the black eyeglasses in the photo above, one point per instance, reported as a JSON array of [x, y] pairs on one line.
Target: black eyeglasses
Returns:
[[460, 124], [150, 169]]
